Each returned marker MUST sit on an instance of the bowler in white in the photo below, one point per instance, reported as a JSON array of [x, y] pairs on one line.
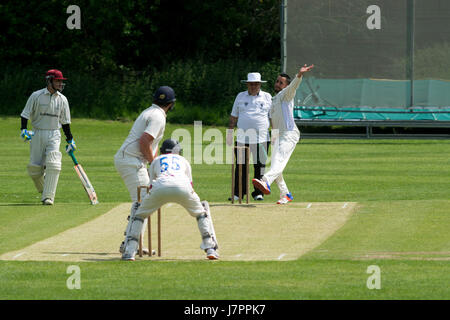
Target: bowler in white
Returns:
[[282, 120]]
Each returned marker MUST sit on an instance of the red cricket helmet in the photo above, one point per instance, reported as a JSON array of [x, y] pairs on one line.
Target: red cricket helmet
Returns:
[[54, 74]]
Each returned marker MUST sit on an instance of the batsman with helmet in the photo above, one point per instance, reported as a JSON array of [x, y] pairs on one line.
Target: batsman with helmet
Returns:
[[48, 110], [141, 146]]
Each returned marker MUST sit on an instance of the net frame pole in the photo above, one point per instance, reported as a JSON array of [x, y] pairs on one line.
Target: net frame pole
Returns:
[[283, 31], [411, 35]]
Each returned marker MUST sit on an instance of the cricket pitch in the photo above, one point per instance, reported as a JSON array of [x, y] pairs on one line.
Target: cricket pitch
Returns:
[[253, 232]]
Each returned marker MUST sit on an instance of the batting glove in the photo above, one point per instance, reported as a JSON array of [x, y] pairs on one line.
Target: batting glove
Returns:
[[26, 135], [71, 146]]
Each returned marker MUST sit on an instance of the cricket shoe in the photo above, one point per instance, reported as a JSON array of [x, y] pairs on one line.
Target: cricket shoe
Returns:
[[122, 249], [287, 198], [47, 202], [127, 256], [261, 186], [256, 196], [235, 198], [212, 254]]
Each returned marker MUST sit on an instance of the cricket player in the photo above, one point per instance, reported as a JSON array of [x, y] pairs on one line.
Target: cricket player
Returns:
[[48, 110], [141, 146], [171, 181], [286, 134]]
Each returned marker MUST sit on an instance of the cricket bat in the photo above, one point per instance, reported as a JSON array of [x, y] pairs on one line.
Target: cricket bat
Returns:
[[87, 185]]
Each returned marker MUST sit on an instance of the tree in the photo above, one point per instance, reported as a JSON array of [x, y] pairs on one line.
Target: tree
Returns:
[[137, 34]]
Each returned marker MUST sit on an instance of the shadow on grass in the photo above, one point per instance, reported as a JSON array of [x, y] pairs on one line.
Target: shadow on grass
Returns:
[[20, 204], [233, 205], [369, 142]]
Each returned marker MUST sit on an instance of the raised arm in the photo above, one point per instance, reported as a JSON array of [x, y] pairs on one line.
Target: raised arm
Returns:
[[289, 92]]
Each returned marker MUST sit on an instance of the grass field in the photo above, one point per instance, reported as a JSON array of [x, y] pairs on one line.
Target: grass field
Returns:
[[401, 187]]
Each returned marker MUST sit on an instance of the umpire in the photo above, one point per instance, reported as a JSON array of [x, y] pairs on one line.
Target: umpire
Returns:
[[251, 115]]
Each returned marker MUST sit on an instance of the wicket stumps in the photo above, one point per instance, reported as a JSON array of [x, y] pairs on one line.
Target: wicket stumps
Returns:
[[149, 228], [241, 152]]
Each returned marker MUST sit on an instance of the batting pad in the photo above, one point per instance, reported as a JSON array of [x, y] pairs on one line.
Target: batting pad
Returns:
[[52, 170], [204, 226], [37, 175]]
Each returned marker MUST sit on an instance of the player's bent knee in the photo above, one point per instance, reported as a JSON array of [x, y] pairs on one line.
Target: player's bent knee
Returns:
[[142, 214]]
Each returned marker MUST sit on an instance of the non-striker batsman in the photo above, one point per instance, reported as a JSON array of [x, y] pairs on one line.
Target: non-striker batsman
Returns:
[[48, 110]]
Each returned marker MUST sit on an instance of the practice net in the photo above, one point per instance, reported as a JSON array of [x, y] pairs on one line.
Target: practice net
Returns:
[[391, 54]]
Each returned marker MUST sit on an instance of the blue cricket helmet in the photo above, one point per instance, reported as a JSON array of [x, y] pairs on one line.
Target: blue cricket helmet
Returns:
[[164, 95]]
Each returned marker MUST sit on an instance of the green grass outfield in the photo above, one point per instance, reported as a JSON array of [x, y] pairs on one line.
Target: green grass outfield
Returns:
[[401, 225]]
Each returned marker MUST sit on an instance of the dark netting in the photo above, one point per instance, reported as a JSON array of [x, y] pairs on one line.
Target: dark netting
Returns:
[[432, 53], [362, 52]]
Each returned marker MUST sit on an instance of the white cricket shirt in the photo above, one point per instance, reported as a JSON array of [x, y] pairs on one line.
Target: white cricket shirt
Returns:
[[171, 169], [253, 117], [47, 111], [152, 121], [282, 109]]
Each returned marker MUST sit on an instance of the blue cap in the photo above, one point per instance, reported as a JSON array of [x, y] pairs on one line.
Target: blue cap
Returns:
[[164, 95]]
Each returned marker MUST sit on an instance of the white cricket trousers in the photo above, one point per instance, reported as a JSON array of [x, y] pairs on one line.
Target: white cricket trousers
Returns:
[[163, 192], [134, 174], [43, 143], [282, 149]]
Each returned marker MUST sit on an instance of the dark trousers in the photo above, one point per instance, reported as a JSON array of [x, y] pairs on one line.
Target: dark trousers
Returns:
[[258, 156]]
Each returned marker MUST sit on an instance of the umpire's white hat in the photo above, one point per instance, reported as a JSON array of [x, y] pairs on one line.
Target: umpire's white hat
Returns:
[[253, 77]]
